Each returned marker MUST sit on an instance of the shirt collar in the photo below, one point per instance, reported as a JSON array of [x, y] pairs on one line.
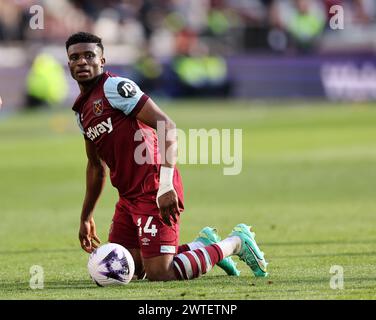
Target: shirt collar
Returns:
[[82, 98]]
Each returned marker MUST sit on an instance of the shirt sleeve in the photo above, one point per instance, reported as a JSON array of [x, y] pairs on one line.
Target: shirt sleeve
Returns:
[[79, 123], [124, 94]]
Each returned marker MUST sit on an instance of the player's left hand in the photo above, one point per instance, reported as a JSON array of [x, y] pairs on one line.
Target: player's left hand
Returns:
[[168, 206], [88, 236]]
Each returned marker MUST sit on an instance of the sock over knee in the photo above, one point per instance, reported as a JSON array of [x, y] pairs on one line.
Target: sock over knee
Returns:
[[192, 264]]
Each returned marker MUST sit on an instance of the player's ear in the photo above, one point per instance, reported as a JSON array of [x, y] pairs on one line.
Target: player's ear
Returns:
[[103, 62]]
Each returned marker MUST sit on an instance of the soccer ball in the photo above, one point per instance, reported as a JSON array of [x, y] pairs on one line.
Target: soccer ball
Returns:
[[111, 264]]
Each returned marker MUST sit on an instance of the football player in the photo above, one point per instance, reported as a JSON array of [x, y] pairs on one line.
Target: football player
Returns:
[[117, 120]]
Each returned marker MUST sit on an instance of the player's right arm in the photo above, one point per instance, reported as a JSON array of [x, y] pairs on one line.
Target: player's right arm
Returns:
[[95, 180]]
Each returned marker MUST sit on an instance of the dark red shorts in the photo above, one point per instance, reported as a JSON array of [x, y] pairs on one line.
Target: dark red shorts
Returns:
[[140, 226]]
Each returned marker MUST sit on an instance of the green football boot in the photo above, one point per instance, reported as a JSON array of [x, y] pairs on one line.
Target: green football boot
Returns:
[[208, 236], [250, 252]]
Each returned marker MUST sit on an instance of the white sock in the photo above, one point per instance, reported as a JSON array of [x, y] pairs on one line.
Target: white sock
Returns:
[[230, 246], [195, 245]]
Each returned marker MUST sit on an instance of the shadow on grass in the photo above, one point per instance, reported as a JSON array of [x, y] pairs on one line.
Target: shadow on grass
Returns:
[[8, 286], [25, 286], [252, 288], [60, 285]]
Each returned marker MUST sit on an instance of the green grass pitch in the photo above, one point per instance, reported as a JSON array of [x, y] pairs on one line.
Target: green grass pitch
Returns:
[[307, 187]]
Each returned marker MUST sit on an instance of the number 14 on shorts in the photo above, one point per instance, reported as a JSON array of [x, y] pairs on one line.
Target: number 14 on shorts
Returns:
[[148, 228]]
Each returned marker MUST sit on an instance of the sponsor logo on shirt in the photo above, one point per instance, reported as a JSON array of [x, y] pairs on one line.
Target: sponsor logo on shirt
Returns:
[[103, 127], [126, 89]]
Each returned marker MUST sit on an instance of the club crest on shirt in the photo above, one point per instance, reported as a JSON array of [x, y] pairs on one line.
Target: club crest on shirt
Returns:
[[98, 107]]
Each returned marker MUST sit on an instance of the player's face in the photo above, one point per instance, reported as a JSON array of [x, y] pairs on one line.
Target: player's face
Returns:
[[85, 61]]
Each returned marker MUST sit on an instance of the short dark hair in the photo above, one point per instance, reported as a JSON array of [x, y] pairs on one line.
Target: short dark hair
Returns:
[[83, 37]]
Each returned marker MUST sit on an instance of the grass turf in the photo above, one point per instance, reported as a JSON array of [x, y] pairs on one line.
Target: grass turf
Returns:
[[307, 186]]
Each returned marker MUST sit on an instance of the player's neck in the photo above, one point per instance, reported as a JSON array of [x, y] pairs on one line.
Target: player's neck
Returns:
[[87, 86]]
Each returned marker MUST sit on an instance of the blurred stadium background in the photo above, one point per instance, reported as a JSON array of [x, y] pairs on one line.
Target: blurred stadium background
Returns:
[[302, 93], [222, 48]]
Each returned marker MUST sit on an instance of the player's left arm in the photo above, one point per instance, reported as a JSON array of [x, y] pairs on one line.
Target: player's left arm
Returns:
[[154, 117]]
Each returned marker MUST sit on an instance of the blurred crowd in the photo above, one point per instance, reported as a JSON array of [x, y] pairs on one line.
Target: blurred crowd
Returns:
[[179, 46], [166, 27]]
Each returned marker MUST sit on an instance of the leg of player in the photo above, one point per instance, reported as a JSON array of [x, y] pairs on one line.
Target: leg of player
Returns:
[[186, 265], [160, 268], [194, 263], [139, 270], [208, 236]]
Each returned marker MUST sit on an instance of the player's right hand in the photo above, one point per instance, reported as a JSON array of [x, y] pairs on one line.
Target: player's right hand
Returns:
[[168, 206], [88, 235]]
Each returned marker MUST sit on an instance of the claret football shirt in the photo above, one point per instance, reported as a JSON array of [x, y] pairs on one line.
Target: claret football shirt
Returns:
[[106, 115]]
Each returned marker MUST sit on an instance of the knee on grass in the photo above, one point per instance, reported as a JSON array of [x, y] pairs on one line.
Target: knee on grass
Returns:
[[156, 275]]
